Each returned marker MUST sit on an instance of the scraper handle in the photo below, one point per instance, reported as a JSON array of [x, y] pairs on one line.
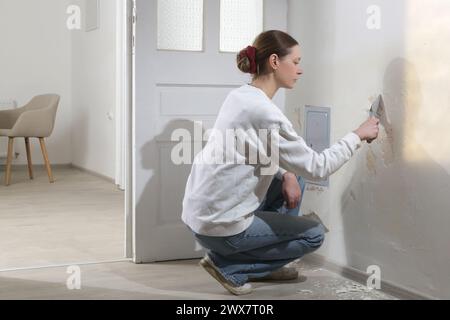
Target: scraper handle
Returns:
[[372, 140]]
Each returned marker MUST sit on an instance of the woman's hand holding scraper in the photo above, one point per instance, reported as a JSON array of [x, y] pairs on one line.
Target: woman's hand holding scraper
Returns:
[[368, 130]]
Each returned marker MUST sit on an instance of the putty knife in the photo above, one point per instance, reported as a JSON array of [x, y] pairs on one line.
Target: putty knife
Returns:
[[377, 110]]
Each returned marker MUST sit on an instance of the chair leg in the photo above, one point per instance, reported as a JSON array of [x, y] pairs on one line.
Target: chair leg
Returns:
[[30, 164], [47, 163], [9, 161]]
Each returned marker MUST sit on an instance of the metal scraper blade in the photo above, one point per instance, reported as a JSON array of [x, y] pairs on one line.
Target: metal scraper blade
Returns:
[[377, 108]]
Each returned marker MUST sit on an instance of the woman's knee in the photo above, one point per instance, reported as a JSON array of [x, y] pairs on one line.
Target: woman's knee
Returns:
[[315, 236]]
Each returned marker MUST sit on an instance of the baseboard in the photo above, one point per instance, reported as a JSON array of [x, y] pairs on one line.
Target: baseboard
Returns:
[[361, 277], [59, 166], [40, 166], [96, 174]]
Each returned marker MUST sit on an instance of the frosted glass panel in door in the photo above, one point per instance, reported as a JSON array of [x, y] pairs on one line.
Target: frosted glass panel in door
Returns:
[[180, 25], [240, 23]]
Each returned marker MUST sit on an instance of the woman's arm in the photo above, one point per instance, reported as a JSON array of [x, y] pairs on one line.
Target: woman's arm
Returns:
[[296, 157]]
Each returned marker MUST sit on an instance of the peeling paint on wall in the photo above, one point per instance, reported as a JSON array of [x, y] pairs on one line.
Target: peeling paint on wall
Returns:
[[371, 159], [386, 140], [390, 205]]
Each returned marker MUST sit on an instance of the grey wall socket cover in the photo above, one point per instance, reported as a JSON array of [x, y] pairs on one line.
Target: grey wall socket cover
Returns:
[[317, 132]]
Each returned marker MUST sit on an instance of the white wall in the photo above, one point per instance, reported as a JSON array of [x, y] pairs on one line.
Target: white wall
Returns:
[[389, 206], [34, 56], [40, 55], [94, 93]]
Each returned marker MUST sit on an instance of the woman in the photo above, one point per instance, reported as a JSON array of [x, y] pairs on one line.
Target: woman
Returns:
[[235, 210]]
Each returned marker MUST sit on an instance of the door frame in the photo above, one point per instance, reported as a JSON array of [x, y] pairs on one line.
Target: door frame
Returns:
[[124, 113]]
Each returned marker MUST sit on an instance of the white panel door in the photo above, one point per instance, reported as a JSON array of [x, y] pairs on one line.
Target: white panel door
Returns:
[[173, 89]]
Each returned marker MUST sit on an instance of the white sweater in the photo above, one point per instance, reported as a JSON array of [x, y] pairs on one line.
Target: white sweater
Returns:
[[219, 198]]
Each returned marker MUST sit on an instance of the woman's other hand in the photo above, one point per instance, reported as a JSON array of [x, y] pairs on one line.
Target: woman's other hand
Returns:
[[292, 192]]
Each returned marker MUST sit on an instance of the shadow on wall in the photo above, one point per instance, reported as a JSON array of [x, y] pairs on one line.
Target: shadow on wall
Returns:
[[162, 196], [396, 207]]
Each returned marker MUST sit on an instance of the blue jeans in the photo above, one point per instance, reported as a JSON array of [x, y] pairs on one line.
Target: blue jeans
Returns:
[[276, 237]]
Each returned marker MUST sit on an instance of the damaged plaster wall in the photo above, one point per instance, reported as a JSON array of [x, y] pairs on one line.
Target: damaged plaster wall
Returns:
[[390, 205]]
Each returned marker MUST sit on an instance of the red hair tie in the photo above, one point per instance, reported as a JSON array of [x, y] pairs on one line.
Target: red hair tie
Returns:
[[250, 53]]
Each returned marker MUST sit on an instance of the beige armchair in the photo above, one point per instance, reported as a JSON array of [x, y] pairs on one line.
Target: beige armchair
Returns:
[[34, 120]]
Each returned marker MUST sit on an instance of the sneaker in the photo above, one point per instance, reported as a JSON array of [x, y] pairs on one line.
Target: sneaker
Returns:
[[211, 268], [282, 274]]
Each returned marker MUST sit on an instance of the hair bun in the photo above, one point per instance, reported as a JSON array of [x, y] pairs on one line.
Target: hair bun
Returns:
[[243, 62], [247, 60]]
